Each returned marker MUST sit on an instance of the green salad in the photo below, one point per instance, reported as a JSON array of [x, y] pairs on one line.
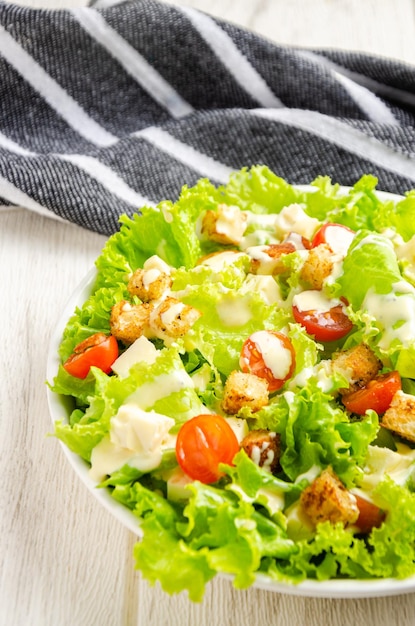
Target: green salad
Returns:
[[242, 378]]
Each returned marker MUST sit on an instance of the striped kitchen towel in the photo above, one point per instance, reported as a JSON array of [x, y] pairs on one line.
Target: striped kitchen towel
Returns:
[[107, 108]]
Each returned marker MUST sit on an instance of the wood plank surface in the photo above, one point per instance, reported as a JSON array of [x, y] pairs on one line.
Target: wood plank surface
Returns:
[[65, 561]]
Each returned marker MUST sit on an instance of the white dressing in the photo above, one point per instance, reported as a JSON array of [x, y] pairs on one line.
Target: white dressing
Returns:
[[155, 262], [164, 385], [234, 311], [277, 358], [220, 260], [394, 312], [266, 263], [173, 312], [265, 286], [314, 300], [150, 276]]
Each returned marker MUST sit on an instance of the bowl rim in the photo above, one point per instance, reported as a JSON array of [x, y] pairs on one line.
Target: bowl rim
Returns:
[[58, 409]]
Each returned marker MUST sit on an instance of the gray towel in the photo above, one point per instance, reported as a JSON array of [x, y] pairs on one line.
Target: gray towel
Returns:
[[108, 108]]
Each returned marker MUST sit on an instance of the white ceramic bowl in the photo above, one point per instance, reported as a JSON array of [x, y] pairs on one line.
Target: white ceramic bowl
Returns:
[[60, 409]]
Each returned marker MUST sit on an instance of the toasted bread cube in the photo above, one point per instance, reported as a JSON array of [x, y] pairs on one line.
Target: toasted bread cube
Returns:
[[128, 322], [226, 225], [400, 416], [327, 499], [359, 364], [243, 389], [263, 447], [149, 284], [172, 318], [268, 259], [317, 266]]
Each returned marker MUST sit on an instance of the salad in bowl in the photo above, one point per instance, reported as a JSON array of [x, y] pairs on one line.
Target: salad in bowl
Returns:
[[240, 378]]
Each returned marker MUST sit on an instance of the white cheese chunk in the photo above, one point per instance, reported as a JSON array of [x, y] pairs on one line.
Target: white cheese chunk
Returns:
[[231, 222], [139, 430], [293, 218], [142, 350], [136, 437]]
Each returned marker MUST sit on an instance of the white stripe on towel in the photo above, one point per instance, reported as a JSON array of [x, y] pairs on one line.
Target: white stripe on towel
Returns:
[[132, 62], [62, 103], [107, 178], [341, 134], [370, 104], [16, 196], [232, 58], [201, 163]]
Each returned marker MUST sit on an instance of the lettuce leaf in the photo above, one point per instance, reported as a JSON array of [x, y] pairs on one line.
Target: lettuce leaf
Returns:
[[259, 190], [315, 431], [217, 532], [371, 257]]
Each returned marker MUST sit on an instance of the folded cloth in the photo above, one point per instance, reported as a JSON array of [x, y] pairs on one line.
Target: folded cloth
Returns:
[[108, 108]]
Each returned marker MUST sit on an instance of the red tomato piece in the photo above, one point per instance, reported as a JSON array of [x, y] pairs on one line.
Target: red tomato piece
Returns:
[[202, 444], [370, 515], [98, 350], [270, 355], [324, 325], [376, 395], [336, 236]]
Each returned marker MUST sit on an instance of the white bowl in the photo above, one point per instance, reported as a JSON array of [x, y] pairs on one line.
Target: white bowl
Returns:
[[59, 407]]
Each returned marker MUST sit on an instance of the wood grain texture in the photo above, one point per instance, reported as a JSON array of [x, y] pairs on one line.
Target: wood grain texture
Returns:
[[64, 560]]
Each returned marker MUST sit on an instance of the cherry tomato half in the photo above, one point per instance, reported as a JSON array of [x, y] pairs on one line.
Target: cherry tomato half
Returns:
[[202, 444], [370, 515], [98, 350], [376, 395], [324, 325], [336, 236], [270, 355]]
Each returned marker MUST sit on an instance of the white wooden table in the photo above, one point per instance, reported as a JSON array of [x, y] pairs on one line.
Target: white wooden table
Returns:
[[64, 559]]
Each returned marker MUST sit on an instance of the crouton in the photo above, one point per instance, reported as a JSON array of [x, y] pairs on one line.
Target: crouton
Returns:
[[243, 389], [128, 322], [359, 364], [226, 225], [149, 284], [268, 259], [400, 416], [263, 447], [172, 318], [317, 266], [327, 499]]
